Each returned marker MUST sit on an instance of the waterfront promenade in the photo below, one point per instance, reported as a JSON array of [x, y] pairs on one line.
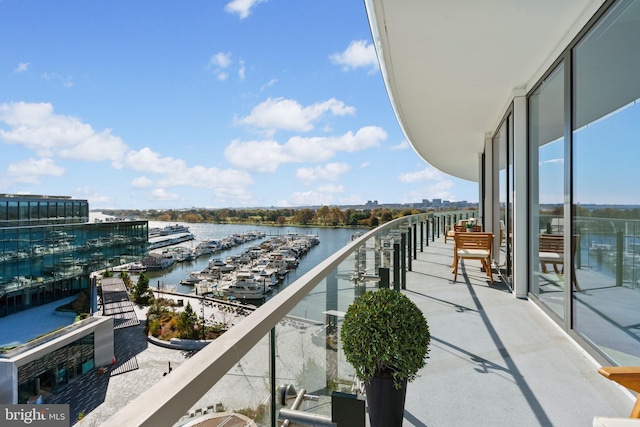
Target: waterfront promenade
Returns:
[[494, 361]]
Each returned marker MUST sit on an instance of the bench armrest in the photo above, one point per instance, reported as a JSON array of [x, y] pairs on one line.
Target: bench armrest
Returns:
[[627, 376]]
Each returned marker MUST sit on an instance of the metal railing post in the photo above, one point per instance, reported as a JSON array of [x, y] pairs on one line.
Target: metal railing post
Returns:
[[396, 266], [427, 233], [409, 250], [383, 272], [619, 258], [272, 363], [403, 260]]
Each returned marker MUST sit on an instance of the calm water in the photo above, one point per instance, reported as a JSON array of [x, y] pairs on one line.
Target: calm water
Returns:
[[331, 239]]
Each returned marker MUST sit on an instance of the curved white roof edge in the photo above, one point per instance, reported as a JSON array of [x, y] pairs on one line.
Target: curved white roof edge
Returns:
[[452, 68]]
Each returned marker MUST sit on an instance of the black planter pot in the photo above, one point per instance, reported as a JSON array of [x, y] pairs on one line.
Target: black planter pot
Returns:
[[385, 402]]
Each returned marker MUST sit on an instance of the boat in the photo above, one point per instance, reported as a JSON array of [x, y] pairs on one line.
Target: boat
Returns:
[[168, 230], [244, 286], [169, 235], [221, 266], [136, 267]]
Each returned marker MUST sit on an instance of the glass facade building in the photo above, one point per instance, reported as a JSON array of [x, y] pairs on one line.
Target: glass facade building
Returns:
[[48, 249]]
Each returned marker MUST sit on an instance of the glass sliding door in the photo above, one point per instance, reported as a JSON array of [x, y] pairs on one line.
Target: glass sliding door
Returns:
[[606, 197], [547, 191], [503, 203]]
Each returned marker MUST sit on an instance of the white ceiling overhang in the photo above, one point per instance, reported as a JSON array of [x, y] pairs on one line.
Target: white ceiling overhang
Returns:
[[451, 67]]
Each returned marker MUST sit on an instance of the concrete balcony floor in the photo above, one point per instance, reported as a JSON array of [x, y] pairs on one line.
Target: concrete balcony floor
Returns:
[[496, 360]]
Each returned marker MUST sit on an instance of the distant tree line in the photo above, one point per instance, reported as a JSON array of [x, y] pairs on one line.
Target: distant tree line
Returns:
[[325, 216]]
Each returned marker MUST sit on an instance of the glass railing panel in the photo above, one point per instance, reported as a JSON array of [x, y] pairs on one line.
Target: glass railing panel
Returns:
[[244, 390], [306, 317], [308, 348]]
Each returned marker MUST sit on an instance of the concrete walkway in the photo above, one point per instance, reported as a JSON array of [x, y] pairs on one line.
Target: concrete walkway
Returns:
[[496, 360]]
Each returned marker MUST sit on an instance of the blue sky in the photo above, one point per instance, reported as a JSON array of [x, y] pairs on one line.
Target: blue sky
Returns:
[[202, 104]]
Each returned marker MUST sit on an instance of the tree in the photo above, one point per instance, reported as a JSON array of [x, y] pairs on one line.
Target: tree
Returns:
[[81, 304], [304, 216], [186, 323], [141, 294], [128, 283], [323, 215], [336, 215]]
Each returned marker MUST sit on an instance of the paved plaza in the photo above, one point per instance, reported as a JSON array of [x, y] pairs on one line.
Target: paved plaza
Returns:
[[139, 365]]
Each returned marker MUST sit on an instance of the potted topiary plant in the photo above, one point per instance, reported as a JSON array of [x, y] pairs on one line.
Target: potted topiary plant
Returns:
[[386, 338]]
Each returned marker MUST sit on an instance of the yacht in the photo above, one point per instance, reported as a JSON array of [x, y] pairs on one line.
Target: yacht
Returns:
[[222, 266], [244, 286]]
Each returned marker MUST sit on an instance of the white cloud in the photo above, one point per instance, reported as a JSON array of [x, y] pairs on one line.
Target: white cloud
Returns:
[[219, 63], [439, 190], [36, 127], [175, 173], [427, 174], [267, 155], [364, 165], [66, 81], [141, 182], [30, 170], [241, 7], [95, 199], [22, 67], [49, 135], [146, 160], [163, 195], [366, 137], [220, 60], [288, 114], [268, 84], [309, 198], [331, 189], [359, 54], [402, 146], [241, 71], [329, 172]]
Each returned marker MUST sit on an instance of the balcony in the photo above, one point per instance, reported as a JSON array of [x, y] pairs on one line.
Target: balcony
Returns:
[[494, 359]]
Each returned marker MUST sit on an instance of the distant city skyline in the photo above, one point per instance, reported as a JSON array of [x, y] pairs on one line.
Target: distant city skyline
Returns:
[[214, 104]]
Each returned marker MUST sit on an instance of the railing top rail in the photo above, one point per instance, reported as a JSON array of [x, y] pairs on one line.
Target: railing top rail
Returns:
[[173, 395]]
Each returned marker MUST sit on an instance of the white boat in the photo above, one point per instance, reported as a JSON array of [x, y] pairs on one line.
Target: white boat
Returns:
[[244, 286], [136, 267], [221, 265], [203, 248]]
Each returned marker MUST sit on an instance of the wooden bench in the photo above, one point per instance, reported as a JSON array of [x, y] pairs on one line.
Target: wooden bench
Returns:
[[451, 231], [626, 376], [551, 251], [475, 245]]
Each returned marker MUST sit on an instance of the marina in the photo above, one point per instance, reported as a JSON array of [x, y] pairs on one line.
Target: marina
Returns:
[[276, 256]]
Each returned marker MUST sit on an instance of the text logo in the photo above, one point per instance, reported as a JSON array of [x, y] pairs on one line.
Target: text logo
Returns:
[[34, 415]]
